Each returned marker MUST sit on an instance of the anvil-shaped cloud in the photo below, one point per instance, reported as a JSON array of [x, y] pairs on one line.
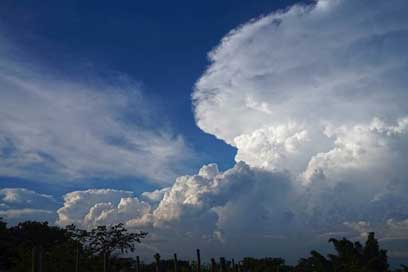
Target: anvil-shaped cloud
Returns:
[[294, 85]]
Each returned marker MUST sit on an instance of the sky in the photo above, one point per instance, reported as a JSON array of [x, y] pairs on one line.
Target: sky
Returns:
[[244, 128]]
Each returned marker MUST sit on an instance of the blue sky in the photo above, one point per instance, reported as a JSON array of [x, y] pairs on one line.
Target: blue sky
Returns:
[[208, 123], [161, 45]]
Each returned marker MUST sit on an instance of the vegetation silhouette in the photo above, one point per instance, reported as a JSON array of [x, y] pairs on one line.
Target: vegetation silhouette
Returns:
[[38, 247], [350, 257]]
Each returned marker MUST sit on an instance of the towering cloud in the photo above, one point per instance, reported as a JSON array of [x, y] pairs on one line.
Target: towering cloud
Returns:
[[277, 84], [319, 91]]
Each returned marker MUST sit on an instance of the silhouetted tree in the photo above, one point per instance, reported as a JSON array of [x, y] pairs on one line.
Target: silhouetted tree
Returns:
[[104, 240], [349, 257], [374, 258], [62, 247], [316, 263], [78, 236], [6, 244], [37, 237]]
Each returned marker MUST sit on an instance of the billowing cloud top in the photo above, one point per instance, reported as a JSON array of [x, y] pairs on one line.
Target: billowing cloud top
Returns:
[[206, 208], [277, 83]]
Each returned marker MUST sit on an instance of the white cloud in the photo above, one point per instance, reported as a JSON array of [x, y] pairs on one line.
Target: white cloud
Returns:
[[26, 214], [290, 74], [272, 147], [362, 227], [57, 128], [85, 208], [156, 196], [397, 229], [211, 208], [217, 211], [318, 91], [18, 204], [377, 151]]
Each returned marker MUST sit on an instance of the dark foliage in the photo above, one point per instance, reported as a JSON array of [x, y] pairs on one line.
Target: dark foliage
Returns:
[[105, 239], [349, 257], [51, 249]]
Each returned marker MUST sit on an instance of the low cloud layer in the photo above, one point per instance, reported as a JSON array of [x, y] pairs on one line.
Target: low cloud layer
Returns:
[[246, 211], [18, 204], [211, 208]]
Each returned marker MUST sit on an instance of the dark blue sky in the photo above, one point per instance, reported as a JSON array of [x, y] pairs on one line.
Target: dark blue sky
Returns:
[[162, 44]]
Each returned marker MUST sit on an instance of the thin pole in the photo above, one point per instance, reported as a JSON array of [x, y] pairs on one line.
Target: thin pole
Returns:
[[175, 263], [222, 264], [157, 257], [213, 265], [40, 259], [137, 264], [198, 261], [33, 259], [77, 257], [105, 262]]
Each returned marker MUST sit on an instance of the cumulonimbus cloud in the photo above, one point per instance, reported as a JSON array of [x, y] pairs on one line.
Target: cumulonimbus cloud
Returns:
[[314, 99], [276, 83], [319, 91]]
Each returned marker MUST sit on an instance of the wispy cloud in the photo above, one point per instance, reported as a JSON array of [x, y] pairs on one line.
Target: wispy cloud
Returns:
[[57, 128]]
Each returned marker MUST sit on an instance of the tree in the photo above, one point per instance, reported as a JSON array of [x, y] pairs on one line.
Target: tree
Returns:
[[374, 257], [37, 236], [5, 246], [79, 236], [105, 240], [403, 268], [316, 263], [349, 257]]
